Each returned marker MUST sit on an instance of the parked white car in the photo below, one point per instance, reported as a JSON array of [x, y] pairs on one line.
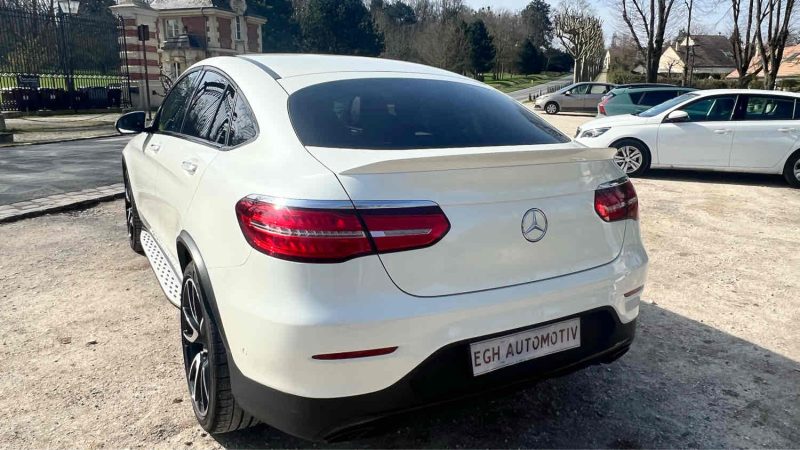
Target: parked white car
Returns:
[[734, 130], [348, 238]]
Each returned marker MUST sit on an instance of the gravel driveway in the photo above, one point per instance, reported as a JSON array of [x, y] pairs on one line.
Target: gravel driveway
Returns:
[[91, 357]]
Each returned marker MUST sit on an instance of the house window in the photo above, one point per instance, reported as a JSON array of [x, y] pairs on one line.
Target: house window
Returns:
[[238, 28], [176, 70], [173, 29]]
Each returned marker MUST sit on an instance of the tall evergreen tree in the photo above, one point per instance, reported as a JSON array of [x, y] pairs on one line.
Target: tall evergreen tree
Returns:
[[481, 48], [340, 27], [530, 59], [281, 33], [539, 26]]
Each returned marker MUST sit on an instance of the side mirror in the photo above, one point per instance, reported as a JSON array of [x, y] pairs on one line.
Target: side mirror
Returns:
[[131, 123], [677, 116], [568, 93]]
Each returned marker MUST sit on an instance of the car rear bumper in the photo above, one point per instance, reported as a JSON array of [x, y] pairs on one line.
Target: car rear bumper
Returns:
[[444, 376], [276, 315]]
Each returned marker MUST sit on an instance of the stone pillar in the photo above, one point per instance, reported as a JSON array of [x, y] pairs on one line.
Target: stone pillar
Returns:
[[135, 13]]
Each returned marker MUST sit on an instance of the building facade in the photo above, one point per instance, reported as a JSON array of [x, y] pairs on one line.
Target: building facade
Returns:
[[182, 32]]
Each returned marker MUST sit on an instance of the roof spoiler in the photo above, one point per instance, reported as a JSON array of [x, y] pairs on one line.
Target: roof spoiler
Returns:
[[343, 162]]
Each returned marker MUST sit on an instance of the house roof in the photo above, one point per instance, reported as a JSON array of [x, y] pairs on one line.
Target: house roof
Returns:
[[789, 68], [710, 50]]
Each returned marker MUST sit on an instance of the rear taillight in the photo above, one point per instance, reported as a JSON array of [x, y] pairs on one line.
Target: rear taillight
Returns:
[[616, 201], [601, 107], [335, 231]]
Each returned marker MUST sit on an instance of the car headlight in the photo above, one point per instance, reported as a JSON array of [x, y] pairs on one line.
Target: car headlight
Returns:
[[594, 132]]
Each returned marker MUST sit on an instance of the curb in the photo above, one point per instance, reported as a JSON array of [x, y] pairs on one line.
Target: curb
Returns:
[[60, 202], [22, 144]]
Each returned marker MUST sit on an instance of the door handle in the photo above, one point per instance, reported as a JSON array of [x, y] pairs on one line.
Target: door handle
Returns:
[[155, 148], [722, 131], [787, 130], [189, 167]]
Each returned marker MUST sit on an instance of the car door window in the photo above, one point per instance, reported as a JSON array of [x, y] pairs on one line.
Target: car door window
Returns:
[[598, 89], [170, 117], [243, 123], [205, 104], [766, 107], [580, 89], [711, 109]]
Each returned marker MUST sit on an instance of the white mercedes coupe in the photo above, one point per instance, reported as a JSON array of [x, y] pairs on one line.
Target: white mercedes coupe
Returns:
[[732, 130], [350, 238]]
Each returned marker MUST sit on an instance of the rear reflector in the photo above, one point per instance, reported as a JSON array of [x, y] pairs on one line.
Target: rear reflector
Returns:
[[616, 200], [634, 292], [335, 231], [355, 354]]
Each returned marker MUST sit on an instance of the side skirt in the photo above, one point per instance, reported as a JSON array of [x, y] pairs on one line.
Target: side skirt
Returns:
[[169, 280]]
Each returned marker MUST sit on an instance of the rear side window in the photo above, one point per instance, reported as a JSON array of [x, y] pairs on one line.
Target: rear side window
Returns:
[[243, 123], [768, 108], [653, 98], [170, 118], [393, 114], [636, 97], [206, 103]]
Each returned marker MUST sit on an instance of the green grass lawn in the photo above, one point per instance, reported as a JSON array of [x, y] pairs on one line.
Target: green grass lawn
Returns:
[[509, 82]]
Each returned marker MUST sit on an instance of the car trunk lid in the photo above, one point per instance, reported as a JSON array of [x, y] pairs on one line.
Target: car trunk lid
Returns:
[[485, 194]]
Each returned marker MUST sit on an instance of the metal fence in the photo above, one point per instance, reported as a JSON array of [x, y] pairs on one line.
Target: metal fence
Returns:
[[548, 89], [52, 60]]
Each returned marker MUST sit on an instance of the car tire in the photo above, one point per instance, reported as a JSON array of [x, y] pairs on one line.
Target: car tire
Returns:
[[792, 170], [206, 362], [632, 156], [133, 223], [551, 108]]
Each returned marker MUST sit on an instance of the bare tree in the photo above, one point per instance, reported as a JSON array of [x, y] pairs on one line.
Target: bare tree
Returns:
[[686, 73], [508, 32], [772, 28], [743, 38], [647, 21], [581, 34]]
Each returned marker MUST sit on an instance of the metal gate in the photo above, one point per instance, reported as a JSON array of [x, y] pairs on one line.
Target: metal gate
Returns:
[[52, 60]]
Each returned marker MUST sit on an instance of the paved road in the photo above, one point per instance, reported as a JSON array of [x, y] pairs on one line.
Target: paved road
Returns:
[[522, 94], [36, 171]]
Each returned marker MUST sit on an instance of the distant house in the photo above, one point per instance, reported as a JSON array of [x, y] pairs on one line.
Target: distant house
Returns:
[[183, 32], [788, 70], [709, 56]]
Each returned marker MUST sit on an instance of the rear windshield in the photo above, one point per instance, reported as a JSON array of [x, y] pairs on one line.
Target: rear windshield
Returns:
[[404, 113]]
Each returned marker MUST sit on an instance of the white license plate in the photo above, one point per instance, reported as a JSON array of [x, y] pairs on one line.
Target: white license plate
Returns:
[[493, 354]]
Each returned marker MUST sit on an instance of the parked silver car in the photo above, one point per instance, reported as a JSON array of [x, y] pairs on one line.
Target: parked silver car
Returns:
[[575, 97]]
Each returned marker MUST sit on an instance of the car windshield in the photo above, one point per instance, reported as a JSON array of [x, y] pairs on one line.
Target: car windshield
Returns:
[[409, 113], [660, 108]]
